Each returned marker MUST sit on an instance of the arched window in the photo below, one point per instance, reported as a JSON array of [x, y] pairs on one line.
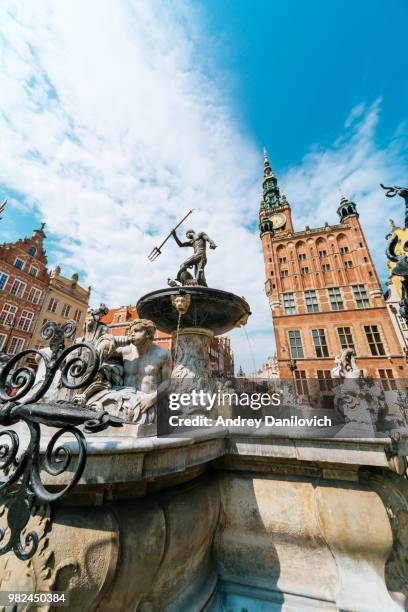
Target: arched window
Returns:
[[321, 248], [32, 251]]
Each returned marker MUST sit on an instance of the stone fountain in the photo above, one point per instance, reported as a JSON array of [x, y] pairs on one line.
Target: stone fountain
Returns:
[[206, 521], [193, 313]]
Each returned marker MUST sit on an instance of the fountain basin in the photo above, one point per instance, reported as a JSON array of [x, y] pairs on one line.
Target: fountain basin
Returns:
[[213, 309]]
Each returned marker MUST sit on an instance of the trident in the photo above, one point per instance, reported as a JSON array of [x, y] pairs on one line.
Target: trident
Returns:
[[157, 250]]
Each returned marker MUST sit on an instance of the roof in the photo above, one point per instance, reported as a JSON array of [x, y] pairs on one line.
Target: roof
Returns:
[[131, 314]]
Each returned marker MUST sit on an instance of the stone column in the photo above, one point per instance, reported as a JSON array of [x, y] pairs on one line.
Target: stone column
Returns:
[[191, 354]]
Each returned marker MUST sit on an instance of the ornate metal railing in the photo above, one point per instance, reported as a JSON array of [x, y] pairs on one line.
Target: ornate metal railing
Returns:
[[21, 488]]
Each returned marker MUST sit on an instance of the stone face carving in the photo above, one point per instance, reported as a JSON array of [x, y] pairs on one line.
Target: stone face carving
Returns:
[[181, 302], [346, 366], [133, 372]]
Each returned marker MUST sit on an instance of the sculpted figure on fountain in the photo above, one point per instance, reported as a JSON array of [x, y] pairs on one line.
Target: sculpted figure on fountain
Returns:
[[132, 374], [198, 261]]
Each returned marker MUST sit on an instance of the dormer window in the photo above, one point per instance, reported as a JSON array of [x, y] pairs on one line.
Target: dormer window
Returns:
[[19, 263]]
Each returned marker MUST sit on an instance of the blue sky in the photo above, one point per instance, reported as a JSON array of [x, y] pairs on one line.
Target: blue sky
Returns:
[[117, 117], [297, 68]]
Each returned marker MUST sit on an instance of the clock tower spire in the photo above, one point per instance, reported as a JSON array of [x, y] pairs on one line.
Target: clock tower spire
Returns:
[[274, 213]]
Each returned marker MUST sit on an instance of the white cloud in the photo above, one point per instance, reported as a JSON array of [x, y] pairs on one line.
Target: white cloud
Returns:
[[353, 166], [112, 129]]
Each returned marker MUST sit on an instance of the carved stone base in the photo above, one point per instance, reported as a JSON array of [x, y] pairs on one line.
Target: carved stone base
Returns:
[[192, 359], [208, 523]]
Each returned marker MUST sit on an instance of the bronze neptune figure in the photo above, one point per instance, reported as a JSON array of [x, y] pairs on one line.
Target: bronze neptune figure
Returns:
[[198, 261]]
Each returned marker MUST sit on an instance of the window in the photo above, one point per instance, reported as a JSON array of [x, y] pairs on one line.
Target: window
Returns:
[[336, 299], [322, 253], [289, 304], [282, 259], [2, 341], [304, 271], [326, 267], [16, 345], [66, 310], [301, 382], [325, 380], [34, 295], [52, 306], [348, 264], [345, 337], [32, 251], [284, 273], [19, 263], [302, 256], [295, 344], [18, 288], [402, 323], [7, 314], [77, 314], [3, 280], [387, 379], [360, 295], [320, 343], [374, 340], [344, 249], [33, 271], [312, 305], [25, 320]]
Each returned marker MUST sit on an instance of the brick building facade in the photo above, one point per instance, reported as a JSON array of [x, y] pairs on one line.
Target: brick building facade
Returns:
[[221, 356], [23, 282], [324, 292], [64, 299]]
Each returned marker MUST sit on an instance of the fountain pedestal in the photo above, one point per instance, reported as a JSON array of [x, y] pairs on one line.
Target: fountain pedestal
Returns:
[[191, 354], [193, 315]]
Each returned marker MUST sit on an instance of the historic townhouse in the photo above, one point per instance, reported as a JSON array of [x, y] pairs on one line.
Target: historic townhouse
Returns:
[[23, 283], [65, 299], [324, 293]]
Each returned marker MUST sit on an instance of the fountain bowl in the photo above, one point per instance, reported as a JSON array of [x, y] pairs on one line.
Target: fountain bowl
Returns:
[[213, 309]]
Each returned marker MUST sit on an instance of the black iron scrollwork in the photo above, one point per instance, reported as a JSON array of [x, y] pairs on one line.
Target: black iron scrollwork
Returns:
[[397, 250], [21, 485]]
